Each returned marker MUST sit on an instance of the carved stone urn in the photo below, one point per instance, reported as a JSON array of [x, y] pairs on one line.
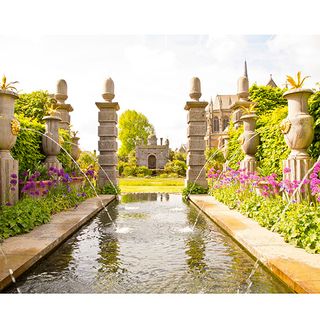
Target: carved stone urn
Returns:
[[9, 125], [298, 134], [298, 126], [50, 141], [250, 138], [75, 150], [9, 129]]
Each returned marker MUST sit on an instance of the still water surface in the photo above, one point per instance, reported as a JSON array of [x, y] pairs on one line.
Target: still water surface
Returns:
[[154, 251]]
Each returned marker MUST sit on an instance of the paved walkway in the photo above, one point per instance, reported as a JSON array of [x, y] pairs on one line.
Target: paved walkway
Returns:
[[294, 266], [23, 251]]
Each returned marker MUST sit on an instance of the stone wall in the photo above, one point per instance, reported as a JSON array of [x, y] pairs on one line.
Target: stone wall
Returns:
[[161, 152]]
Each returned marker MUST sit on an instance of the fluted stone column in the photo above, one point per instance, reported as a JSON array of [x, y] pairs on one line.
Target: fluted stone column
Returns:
[[196, 133], [9, 129], [108, 134], [298, 133], [63, 108]]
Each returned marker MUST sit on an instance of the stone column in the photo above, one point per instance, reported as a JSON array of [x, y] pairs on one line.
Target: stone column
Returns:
[[63, 108], [196, 132], [50, 141], [9, 129], [298, 133], [108, 134]]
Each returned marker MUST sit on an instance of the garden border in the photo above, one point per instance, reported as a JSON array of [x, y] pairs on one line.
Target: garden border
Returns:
[[23, 251], [294, 266]]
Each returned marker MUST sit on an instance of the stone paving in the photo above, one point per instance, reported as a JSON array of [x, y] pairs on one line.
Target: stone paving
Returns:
[[294, 266], [23, 251]]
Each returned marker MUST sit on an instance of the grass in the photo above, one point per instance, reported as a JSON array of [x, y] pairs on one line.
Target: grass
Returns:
[[154, 184]]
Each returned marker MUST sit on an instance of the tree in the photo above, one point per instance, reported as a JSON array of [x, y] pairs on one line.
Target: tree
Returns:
[[33, 105], [133, 127]]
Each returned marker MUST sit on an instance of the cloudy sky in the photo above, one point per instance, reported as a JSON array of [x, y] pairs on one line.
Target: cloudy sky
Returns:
[[151, 72]]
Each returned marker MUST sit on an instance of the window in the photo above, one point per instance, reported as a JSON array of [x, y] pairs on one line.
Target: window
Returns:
[[215, 124], [225, 123]]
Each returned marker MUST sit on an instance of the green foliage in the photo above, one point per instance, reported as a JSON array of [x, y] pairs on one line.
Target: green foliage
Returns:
[[178, 167], [271, 108], [214, 158], [299, 224], [110, 189], [28, 147], [133, 127], [235, 153], [33, 105], [63, 157], [31, 212], [266, 98], [88, 159], [314, 109], [272, 148], [193, 188]]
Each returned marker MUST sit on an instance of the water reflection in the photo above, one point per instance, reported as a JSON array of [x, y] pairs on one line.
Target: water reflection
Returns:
[[195, 245], [157, 255]]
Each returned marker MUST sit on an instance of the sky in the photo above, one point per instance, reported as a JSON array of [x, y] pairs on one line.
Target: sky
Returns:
[[151, 73]]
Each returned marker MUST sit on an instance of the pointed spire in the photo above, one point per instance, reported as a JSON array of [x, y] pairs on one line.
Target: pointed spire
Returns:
[[245, 69]]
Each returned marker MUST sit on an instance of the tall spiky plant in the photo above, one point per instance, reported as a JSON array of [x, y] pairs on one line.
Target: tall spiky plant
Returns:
[[8, 86], [249, 109], [296, 84]]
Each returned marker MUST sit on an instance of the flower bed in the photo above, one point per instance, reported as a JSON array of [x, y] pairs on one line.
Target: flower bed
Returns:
[[298, 223]]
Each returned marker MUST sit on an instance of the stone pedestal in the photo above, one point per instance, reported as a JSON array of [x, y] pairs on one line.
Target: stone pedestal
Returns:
[[196, 143], [50, 142], [9, 129], [9, 193], [299, 168], [107, 144]]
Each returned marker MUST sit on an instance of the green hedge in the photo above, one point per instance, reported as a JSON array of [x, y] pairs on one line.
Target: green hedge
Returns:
[[28, 148]]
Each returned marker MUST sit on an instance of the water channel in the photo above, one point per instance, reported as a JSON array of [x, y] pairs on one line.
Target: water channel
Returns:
[[154, 251]]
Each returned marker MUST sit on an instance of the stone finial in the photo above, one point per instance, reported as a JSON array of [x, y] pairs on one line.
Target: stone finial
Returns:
[[108, 88], [62, 91], [243, 85], [166, 142], [195, 90]]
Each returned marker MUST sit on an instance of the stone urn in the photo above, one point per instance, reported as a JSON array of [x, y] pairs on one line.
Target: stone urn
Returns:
[[249, 139], [75, 150], [9, 125], [50, 141], [298, 126]]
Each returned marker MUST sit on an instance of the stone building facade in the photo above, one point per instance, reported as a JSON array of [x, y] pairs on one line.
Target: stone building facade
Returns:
[[153, 155], [219, 113]]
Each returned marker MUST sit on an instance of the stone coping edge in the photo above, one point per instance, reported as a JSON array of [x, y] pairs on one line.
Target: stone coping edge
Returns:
[[298, 269], [95, 206]]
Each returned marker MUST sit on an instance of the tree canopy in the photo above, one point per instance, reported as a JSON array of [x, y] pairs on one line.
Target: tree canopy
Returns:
[[133, 127]]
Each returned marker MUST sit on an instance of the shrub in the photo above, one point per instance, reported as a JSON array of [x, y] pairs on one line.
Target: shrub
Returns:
[[143, 171], [193, 188], [176, 166], [110, 189], [28, 147]]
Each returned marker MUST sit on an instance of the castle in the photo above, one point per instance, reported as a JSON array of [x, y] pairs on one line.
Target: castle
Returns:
[[152, 155], [220, 112]]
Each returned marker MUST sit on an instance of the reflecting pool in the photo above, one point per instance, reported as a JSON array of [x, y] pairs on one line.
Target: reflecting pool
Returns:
[[153, 250]]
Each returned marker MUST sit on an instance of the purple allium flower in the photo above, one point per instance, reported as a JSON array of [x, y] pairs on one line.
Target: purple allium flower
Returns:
[[12, 189], [8, 204], [42, 184], [286, 170], [14, 176]]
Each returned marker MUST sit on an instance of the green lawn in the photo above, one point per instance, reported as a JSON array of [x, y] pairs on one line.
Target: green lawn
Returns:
[[154, 184]]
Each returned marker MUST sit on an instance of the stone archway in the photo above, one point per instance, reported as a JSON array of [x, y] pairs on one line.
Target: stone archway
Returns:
[[152, 161]]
